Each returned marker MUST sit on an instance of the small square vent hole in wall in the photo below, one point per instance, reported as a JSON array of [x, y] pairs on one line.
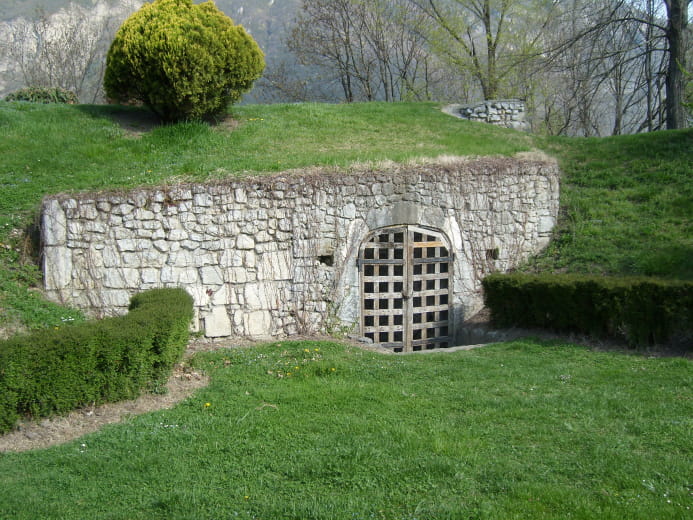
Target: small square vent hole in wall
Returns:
[[326, 260], [405, 288]]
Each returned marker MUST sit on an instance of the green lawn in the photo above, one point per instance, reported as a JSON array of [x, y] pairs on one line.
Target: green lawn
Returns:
[[302, 430]]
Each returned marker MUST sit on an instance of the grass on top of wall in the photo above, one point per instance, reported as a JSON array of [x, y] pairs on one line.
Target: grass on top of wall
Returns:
[[53, 148], [314, 430]]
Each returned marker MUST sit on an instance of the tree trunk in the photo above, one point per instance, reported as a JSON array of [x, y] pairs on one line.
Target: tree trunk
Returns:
[[677, 11]]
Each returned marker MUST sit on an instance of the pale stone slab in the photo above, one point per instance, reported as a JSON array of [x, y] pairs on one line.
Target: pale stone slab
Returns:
[[217, 323], [57, 268], [257, 324]]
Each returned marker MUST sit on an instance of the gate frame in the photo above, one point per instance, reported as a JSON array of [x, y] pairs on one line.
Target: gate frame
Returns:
[[441, 322]]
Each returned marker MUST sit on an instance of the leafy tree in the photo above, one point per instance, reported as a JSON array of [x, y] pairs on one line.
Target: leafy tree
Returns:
[[490, 39], [182, 60]]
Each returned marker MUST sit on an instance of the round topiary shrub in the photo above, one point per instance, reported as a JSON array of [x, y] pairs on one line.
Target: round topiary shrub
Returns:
[[43, 95], [182, 60]]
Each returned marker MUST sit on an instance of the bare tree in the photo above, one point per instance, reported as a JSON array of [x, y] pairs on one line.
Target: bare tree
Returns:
[[653, 40], [66, 49], [677, 39], [374, 50]]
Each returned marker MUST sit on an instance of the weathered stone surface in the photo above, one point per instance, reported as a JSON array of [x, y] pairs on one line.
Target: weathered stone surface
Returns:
[[217, 323], [57, 268], [258, 324], [211, 275], [274, 265], [245, 242], [278, 255], [508, 113]]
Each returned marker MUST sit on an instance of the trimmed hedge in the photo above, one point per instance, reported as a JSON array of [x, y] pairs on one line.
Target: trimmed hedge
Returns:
[[43, 95], [57, 370], [643, 311]]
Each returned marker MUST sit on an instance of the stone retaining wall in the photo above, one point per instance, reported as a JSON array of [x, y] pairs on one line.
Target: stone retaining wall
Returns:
[[509, 113], [277, 255]]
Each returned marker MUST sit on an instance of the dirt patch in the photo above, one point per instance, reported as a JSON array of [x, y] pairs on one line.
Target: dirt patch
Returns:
[[137, 123], [31, 435]]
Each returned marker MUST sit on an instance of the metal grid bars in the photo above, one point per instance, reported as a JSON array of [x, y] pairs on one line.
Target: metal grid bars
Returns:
[[405, 287]]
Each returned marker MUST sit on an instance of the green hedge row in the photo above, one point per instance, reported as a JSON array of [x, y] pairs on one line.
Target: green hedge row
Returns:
[[642, 311], [57, 370], [43, 95]]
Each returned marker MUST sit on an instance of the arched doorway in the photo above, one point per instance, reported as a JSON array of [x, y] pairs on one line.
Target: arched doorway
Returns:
[[405, 288]]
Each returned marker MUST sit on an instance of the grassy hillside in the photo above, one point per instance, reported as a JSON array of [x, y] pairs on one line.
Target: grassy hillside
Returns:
[[626, 201], [54, 148], [626, 205]]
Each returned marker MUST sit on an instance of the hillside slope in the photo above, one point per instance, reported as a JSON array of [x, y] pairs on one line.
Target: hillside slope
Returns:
[[627, 202], [55, 148], [626, 205]]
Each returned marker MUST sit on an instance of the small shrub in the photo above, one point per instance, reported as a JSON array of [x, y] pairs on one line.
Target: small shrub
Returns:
[[43, 95], [183, 61], [643, 311], [54, 371]]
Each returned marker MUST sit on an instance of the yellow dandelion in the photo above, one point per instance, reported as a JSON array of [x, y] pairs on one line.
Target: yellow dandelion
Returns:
[[207, 405]]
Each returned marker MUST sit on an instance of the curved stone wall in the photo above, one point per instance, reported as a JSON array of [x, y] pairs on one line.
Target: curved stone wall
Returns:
[[508, 113], [277, 255]]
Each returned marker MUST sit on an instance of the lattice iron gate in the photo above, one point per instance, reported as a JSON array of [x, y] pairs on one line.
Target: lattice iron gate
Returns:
[[405, 288]]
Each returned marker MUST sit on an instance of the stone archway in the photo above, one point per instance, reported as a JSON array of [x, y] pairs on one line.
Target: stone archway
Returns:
[[405, 281]]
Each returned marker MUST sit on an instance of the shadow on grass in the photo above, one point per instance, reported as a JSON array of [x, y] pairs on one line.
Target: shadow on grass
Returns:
[[135, 121]]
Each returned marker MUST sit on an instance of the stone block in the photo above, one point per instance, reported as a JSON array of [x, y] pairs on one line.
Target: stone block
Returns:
[[57, 267], [240, 195], [546, 224], [188, 276], [349, 211], [263, 295], [203, 199], [211, 275], [257, 324], [114, 298], [150, 276], [244, 242], [177, 235], [217, 323], [53, 224], [274, 265], [238, 275]]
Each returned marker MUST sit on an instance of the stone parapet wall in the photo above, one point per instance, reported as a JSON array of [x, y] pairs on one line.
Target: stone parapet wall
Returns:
[[277, 255], [509, 113]]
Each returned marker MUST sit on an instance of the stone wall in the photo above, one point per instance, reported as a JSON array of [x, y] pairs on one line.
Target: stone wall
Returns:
[[509, 113], [277, 255]]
